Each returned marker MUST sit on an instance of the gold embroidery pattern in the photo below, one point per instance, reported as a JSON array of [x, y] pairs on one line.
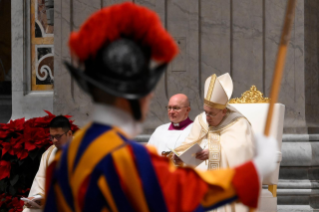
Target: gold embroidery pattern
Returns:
[[214, 151], [214, 105], [211, 87], [251, 96]]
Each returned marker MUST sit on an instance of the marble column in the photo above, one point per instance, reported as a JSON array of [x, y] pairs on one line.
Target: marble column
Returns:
[[247, 45], [292, 92]]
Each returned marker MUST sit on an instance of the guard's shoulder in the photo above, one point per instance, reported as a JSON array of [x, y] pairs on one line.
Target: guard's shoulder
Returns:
[[151, 149]]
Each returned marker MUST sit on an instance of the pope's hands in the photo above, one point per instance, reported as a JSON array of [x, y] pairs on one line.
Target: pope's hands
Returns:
[[29, 205], [267, 155], [177, 160], [203, 155]]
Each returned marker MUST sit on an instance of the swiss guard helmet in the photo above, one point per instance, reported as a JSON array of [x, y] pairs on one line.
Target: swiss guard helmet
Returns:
[[118, 47]]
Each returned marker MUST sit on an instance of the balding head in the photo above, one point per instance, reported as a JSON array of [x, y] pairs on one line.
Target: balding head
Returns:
[[178, 108], [180, 98]]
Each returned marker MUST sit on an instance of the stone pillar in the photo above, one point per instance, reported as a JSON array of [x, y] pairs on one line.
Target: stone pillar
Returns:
[[311, 27], [292, 92]]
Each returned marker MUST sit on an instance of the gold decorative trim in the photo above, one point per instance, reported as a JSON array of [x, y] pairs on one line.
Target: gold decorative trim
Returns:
[[214, 105], [250, 96], [41, 194], [273, 190], [214, 151], [35, 42], [211, 87]]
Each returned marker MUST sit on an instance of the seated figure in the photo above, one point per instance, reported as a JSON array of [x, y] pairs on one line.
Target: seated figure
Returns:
[[60, 134], [171, 135], [224, 134]]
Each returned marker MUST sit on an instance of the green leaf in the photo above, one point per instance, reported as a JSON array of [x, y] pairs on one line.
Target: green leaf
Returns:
[[14, 180]]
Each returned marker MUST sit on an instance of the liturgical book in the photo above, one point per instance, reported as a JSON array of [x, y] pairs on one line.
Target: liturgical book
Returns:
[[189, 156], [33, 201]]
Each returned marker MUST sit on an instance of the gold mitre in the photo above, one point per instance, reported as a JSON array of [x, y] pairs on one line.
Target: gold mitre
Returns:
[[218, 91]]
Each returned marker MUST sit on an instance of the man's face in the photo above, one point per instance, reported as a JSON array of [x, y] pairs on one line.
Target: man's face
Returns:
[[60, 136], [214, 116], [177, 111]]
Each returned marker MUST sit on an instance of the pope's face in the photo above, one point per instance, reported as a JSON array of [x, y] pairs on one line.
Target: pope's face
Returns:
[[60, 137], [214, 116], [177, 111]]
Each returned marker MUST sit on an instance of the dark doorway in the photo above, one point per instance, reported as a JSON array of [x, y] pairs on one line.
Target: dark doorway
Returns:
[[5, 61]]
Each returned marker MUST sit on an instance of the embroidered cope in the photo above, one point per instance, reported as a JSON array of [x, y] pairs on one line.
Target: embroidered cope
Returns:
[[230, 143]]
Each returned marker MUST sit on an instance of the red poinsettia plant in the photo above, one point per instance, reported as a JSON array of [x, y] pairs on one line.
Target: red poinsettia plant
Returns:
[[22, 143]]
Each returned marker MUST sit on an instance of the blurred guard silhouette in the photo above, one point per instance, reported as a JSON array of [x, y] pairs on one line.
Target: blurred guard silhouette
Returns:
[[124, 50]]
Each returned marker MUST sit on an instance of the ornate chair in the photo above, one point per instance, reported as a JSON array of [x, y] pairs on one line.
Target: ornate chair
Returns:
[[254, 106]]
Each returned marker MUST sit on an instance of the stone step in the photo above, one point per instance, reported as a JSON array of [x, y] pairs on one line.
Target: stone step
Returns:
[[298, 184], [296, 208], [298, 192]]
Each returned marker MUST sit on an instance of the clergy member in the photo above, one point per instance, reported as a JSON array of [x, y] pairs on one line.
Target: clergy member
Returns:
[[171, 135], [224, 134], [60, 134]]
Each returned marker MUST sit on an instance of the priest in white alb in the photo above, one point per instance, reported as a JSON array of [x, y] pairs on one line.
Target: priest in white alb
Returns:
[[224, 134], [171, 135], [60, 134]]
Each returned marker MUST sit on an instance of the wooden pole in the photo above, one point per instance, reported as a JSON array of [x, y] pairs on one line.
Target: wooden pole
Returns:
[[280, 63]]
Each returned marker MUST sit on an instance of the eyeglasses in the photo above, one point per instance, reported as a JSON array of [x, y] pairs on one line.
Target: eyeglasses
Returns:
[[211, 115], [174, 108], [57, 137]]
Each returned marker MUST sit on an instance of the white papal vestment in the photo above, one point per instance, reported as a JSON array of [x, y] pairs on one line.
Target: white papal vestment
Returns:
[[38, 184], [230, 144]]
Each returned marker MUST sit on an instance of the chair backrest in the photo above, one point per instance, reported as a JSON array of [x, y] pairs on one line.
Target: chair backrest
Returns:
[[256, 113]]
